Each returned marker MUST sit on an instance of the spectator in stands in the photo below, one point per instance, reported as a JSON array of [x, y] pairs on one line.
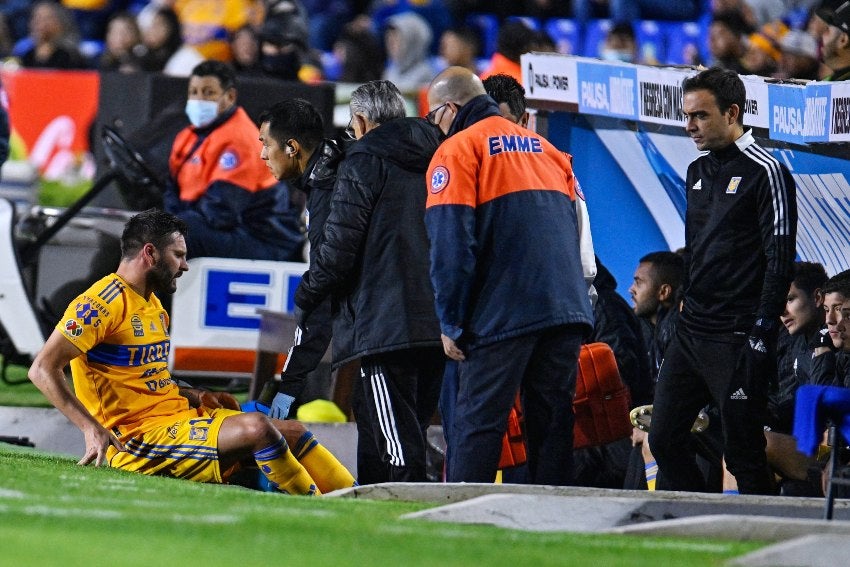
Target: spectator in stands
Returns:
[[514, 39], [207, 24], [799, 59], [835, 41], [736, 280], [408, 39], [620, 44], [227, 197], [761, 56], [122, 45], [163, 44], [327, 19], [360, 55], [631, 10], [460, 46], [245, 49], [6, 39], [133, 415], [54, 39], [726, 40], [284, 47]]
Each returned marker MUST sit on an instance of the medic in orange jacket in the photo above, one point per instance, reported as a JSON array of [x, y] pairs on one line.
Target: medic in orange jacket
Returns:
[[503, 199]]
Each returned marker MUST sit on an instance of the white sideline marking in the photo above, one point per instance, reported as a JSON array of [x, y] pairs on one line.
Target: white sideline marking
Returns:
[[8, 493]]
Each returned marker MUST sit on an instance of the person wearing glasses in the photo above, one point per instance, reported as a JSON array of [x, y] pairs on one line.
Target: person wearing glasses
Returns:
[[512, 275], [374, 263]]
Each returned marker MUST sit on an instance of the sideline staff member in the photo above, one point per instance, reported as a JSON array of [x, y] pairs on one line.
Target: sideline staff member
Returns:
[[115, 337], [227, 197], [524, 329], [740, 230]]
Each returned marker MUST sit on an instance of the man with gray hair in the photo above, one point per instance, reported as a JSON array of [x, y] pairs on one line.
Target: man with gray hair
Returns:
[[374, 262]]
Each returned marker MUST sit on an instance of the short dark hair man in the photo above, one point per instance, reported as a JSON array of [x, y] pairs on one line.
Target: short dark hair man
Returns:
[[232, 205], [835, 40], [133, 416], [740, 231], [509, 95], [294, 149]]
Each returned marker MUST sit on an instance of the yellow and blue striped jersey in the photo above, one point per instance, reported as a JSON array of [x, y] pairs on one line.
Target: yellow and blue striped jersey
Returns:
[[122, 377]]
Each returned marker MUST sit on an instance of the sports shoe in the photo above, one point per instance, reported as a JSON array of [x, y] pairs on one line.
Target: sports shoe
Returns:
[[641, 418]]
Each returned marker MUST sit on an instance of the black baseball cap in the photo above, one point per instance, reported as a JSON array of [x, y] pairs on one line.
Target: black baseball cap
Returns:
[[836, 13]]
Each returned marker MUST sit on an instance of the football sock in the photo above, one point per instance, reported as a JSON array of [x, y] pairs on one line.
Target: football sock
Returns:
[[321, 464], [284, 472], [651, 470]]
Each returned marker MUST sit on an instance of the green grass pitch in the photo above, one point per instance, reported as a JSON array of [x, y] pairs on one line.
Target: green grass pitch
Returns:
[[57, 513]]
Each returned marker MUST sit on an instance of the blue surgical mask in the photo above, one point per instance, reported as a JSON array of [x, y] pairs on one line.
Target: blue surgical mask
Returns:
[[617, 55], [201, 112]]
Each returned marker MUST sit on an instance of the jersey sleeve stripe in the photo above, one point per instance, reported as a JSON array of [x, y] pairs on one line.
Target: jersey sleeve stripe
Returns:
[[778, 188]]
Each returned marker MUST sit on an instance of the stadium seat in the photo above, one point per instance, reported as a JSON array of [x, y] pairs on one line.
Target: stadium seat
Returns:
[[684, 40], [530, 23], [797, 18], [488, 28], [566, 35], [331, 65], [594, 36], [651, 44]]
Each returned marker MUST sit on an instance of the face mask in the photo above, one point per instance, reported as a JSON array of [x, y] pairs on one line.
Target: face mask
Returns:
[[201, 112], [617, 55]]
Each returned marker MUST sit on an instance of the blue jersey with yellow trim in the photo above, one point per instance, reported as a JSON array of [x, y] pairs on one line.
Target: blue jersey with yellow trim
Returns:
[[122, 377]]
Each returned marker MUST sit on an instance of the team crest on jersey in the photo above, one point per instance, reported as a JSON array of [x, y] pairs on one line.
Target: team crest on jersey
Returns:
[[439, 179], [164, 325], [73, 328], [138, 328], [198, 433], [732, 188], [228, 160]]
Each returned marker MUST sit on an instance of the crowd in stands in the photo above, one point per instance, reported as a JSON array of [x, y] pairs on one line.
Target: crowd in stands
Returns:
[[405, 41]]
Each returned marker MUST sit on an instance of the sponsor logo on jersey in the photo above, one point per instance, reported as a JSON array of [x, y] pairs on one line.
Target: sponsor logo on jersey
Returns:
[[228, 160], [697, 186], [73, 328], [439, 179], [732, 188], [138, 328], [86, 312]]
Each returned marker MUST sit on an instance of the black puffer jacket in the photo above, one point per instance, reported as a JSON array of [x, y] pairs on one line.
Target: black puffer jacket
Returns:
[[374, 257], [317, 182], [618, 326]]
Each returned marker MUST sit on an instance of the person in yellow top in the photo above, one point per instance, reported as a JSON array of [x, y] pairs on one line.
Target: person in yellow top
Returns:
[[132, 414]]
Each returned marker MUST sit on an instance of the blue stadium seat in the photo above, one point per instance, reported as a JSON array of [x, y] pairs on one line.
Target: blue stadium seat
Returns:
[[530, 23], [797, 18], [594, 36], [684, 41], [566, 35], [651, 44], [488, 28]]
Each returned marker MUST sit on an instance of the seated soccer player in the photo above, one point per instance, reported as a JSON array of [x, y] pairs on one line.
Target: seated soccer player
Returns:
[[132, 414]]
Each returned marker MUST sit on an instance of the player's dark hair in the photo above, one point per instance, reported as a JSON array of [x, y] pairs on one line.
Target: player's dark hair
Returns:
[[154, 226], [667, 268], [809, 276], [840, 283], [726, 86], [504, 88], [294, 118]]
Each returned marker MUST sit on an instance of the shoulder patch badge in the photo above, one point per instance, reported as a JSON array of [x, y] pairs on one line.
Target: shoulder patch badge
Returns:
[[439, 179], [732, 188], [73, 328], [228, 160]]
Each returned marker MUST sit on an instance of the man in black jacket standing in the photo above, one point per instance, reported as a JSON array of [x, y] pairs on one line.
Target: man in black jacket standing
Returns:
[[374, 260], [295, 151], [740, 231]]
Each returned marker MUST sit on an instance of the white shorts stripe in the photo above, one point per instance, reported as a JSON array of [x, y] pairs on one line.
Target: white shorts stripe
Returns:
[[386, 417]]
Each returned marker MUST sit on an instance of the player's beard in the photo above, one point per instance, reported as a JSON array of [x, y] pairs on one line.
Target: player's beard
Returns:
[[161, 279]]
